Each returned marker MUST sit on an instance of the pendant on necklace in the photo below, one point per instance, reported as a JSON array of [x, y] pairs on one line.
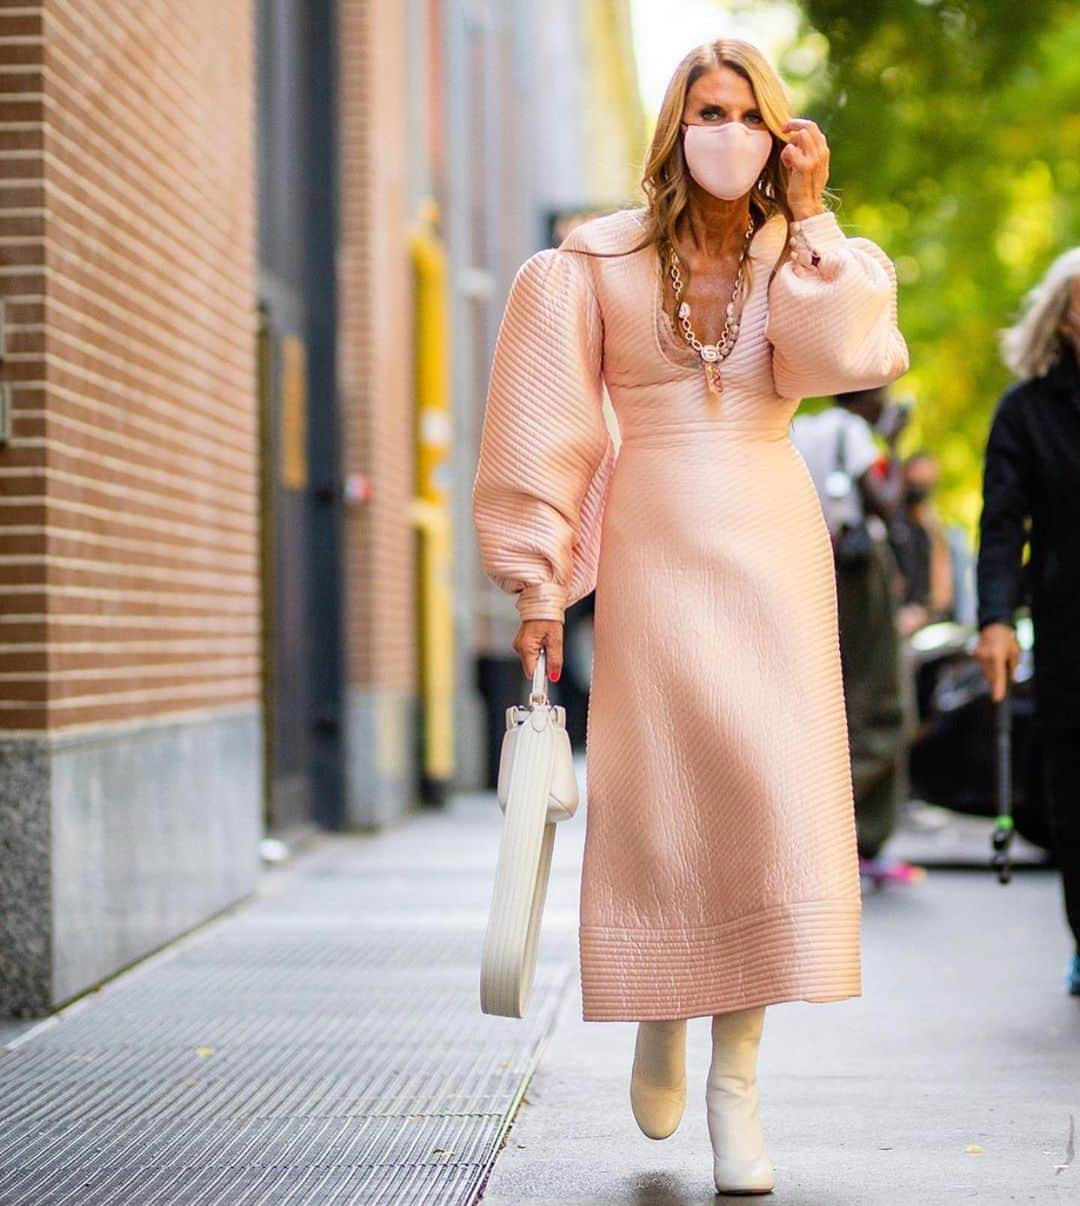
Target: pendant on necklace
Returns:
[[713, 379], [710, 355]]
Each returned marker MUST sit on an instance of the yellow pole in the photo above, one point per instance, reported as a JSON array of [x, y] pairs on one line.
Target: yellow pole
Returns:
[[430, 510]]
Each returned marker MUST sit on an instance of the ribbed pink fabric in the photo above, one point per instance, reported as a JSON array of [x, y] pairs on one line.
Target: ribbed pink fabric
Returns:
[[720, 868]]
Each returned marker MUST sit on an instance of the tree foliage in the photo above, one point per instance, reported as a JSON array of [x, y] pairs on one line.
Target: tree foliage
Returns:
[[955, 136]]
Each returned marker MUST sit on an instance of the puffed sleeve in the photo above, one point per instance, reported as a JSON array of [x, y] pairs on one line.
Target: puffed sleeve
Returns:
[[833, 314], [545, 450]]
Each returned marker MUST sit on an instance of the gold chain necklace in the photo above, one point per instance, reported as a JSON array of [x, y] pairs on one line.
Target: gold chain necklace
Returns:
[[711, 353]]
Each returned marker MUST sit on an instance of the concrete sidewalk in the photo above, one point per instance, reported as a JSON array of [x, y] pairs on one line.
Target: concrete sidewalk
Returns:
[[323, 1043], [955, 1077]]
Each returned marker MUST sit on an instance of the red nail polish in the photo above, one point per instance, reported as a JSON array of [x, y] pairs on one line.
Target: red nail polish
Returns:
[[555, 676]]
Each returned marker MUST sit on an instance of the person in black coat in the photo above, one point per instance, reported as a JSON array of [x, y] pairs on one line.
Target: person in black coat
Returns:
[[1031, 494]]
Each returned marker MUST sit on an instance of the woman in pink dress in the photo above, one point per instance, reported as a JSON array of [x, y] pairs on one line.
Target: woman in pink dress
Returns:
[[720, 871]]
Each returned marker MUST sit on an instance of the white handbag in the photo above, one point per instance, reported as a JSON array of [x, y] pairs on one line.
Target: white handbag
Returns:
[[536, 788]]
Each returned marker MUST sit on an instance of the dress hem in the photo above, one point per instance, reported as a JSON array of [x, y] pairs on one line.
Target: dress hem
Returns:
[[806, 951]]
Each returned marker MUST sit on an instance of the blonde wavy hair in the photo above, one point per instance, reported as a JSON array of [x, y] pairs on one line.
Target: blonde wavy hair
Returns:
[[665, 179], [1033, 344]]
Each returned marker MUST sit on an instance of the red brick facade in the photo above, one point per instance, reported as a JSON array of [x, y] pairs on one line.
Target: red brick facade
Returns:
[[375, 343], [128, 494]]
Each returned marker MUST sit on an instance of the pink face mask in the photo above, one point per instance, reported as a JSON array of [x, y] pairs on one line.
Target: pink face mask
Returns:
[[726, 158]]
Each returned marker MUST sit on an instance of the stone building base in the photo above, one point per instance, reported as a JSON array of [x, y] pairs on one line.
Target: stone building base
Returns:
[[117, 841], [382, 743]]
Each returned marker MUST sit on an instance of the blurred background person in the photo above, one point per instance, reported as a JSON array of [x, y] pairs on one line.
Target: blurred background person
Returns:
[[861, 492], [921, 546], [1031, 484]]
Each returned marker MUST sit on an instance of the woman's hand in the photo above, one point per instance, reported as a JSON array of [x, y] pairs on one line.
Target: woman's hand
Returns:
[[530, 636], [998, 655], [806, 157]]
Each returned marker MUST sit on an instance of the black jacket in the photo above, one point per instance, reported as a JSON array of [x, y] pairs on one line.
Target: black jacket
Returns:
[[1032, 476]]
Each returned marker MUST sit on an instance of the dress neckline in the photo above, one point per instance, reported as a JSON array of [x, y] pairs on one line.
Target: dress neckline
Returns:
[[765, 246]]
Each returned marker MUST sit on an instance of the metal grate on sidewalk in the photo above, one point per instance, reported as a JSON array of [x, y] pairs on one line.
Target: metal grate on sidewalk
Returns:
[[322, 1045]]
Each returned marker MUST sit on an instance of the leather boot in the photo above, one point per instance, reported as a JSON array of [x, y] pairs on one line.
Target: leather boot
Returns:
[[740, 1163], [658, 1079]]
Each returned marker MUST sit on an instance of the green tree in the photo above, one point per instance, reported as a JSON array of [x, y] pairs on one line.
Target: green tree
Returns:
[[955, 136]]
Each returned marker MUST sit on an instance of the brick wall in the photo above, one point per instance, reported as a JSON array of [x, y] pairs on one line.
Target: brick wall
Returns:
[[128, 495], [375, 342]]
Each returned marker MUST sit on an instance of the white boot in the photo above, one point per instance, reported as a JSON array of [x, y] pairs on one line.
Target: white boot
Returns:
[[740, 1164], [658, 1079]]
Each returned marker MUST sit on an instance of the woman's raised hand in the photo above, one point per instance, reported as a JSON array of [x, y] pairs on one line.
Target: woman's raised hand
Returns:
[[530, 636], [806, 157]]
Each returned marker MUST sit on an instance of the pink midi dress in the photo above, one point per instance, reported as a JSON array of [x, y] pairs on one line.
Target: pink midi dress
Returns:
[[720, 868]]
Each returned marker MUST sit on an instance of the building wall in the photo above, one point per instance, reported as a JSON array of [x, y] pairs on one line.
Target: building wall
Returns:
[[375, 352], [23, 652], [587, 113], [129, 615], [129, 515], [565, 72], [613, 124]]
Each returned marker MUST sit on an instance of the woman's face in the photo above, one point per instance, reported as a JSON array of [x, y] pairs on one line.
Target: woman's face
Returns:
[[722, 95]]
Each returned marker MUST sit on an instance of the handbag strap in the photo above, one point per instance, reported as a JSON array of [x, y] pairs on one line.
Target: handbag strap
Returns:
[[841, 446]]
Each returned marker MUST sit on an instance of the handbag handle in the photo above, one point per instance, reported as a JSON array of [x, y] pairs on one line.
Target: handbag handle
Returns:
[[538, 696]]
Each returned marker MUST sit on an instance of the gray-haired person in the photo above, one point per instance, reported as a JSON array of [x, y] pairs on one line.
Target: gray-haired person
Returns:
[[1031, 488]]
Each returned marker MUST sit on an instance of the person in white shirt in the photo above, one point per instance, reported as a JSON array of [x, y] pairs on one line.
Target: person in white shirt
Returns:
[[841, 441], [825, 440]]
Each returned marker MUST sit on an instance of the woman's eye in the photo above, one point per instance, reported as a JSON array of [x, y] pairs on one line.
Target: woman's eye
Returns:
[[712, 114]]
